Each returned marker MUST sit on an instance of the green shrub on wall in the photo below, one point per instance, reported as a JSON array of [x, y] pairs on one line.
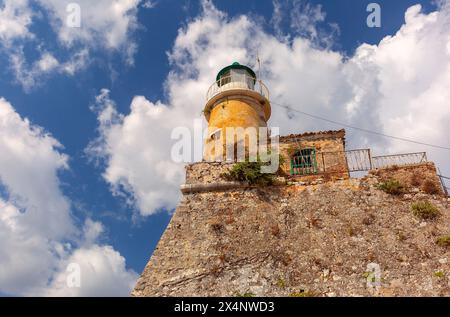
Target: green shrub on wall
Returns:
[[249, 172], [392, 186]]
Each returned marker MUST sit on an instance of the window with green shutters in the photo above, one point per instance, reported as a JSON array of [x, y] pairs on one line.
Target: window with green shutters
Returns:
[[304, 162]]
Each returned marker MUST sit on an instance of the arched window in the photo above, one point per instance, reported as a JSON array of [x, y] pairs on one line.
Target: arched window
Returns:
[[304, 162], [215, 135]]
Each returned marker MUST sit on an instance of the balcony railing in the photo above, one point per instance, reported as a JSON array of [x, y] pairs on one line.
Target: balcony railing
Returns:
[[360, 160], [398, 159], [240, 81]]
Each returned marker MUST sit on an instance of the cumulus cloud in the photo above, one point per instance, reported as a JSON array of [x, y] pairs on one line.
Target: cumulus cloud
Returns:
[[304, 19], [15, 19], [106, 26], [27, 258], [103, 22], [31, 158], [135, 148], [397, 87], [411, 71], [149, 4], [32, 75], [38, 235], [103, 273]]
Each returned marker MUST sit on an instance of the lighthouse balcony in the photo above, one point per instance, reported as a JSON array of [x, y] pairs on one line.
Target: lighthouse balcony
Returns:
[[236, 83]]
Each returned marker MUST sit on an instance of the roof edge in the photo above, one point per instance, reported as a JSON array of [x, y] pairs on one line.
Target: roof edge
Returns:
[[330, 133]]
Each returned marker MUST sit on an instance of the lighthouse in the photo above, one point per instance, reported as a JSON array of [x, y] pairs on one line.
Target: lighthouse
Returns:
[[236, 100]]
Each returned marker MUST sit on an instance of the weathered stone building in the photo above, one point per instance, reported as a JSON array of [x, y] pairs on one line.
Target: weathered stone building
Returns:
[[315, 153], [315, 230]]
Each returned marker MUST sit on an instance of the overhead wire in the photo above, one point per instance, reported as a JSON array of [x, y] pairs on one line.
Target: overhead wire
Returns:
[[358, 128]]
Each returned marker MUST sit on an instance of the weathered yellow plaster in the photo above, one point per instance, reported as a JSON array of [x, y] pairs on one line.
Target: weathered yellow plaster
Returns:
[[233, 112]]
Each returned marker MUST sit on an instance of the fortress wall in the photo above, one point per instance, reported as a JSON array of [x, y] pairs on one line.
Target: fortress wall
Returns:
[[420, 176], [285, 240]]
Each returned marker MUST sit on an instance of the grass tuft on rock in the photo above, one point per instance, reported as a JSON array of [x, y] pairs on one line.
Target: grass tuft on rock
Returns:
[[392, 186], [444, 242], [424, 210], [430, 187]]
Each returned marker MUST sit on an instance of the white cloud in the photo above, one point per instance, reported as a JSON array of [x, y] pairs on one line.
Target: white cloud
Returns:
[[397, 87], [30, 159], [38, 235], [76, 63], [411, 71], [149, 4], [135, 147], [92, 231], [103, 22], [106, 26], [47, 62], [103, 273], [15, 19], [303, 19], [27, 259], [30, 76]]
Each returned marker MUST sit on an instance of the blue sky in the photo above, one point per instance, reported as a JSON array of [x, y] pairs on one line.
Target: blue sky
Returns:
[[106, 181]]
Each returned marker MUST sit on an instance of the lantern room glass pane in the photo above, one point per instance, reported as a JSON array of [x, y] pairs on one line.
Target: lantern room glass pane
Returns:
[[237, 78]]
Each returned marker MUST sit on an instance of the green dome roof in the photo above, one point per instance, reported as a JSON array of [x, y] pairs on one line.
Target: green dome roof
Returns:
[[235, 65]]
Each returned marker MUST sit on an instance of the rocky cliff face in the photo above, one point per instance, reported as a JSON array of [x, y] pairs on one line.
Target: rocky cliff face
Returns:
[[340, 238]]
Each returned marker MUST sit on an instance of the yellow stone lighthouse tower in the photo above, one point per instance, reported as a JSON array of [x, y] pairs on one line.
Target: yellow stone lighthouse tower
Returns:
[[238, 99]]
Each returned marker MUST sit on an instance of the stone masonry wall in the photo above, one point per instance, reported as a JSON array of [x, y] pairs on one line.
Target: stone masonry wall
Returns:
[[295, 239], [329, 148], [206, 172], [423, 176], [329, 151]]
